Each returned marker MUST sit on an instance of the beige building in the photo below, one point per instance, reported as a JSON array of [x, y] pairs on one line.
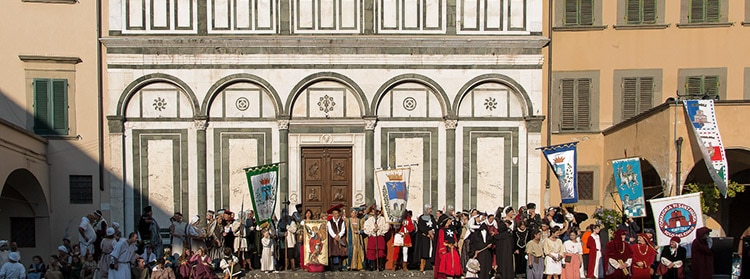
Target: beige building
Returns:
[[616, 69], [50, 127]]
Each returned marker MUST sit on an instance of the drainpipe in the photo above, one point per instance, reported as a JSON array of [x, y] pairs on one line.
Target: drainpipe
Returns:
[[549, 98], [100, 94], [678, 147]]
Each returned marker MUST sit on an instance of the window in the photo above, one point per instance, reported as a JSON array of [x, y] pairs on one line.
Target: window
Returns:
[[579, 13], [81, 189], [637, 95], [702, 86], [23, 231], [50, 106], [641, 12], [586, 185], [576, 104], [702, 11]]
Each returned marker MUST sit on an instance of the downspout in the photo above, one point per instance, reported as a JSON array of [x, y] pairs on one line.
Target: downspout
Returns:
[[100, 94], [678, 147], [549, 98]]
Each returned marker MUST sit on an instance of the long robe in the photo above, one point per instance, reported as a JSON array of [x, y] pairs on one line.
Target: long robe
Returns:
[[646, 255], [572, 269], [425, 225], [595, 255], [617, 253], [520, 238], [702, 259], [107, 245], [122, 255], [335, 249], [179, 230], [676, 257], [356, 246], [504, 252], [478, 242], [449, 264]]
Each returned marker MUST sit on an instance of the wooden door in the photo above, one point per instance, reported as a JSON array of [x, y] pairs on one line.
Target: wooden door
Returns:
[[326, 178]]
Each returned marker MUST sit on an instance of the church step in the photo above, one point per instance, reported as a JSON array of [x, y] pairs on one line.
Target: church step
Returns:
[[339, 275]]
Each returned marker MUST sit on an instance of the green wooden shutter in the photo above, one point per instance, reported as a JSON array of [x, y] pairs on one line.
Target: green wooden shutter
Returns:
[[713, 10], [649, 11], [567, 108], [571, 12], [711, 86], [583, 106], [645, 93], [633, 15], [41, 106], [696, 11], [629, 97], [587, 12], [60, 106], [694, 86]]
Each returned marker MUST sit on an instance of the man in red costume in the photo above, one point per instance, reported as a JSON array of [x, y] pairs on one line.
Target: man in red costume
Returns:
[[618, 257], [644, 254], [402, 241]]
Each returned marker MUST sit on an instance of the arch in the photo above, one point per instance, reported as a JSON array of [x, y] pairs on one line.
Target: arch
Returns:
[[237, 78], [327, 76], [146, 80], [426, 81], [22, 182], [515, 87], [738, 166]]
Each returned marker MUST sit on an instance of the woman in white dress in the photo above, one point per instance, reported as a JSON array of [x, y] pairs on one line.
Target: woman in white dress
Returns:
[[195, 235], [178, 230], [107, 245], [573, 258], [266, 260], [554, 254]]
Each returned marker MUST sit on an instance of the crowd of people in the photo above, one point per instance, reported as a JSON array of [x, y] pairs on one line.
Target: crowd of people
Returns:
[[507, 243]]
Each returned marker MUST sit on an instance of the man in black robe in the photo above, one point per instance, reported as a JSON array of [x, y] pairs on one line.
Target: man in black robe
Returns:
[[480, 247], [426, 226], [504, 251]]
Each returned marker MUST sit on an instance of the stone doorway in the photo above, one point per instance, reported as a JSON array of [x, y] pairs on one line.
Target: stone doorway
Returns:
[[326, 178]]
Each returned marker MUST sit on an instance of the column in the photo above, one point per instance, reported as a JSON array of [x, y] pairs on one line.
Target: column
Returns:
[[116, 170], [201, 123], [283, 157], [450, 162], [370, 159]]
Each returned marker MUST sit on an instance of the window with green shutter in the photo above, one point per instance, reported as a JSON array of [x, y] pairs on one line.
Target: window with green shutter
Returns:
[[637, 95], [702, 86], [579, 12], [641, 12], [51, 106], [705, 11], [576, 104]]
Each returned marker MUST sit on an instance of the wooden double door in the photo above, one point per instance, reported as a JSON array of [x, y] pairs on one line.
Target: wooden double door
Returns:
[[326, 178]]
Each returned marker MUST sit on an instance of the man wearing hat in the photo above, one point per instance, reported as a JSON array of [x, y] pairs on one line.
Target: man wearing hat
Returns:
[[100, 226], [13, 269], [672, 259], [375, 227], [533, 220], [87, 234], [426, 226], [337, 244]]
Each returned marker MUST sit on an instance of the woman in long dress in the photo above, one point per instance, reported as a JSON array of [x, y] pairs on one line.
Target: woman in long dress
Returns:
[[266, 260], [201, 265], [644, 254], [356, 251], [107, 245], [308, 217], [553, 254], [595, 252], [194, 235], [573, 257], [449, 261]]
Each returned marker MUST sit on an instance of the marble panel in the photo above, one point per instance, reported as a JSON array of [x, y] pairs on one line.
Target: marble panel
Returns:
[[493, 14], [390, 14], [160, 13], [326, 102], [242, 102], [517, 14], [133, 110], [490, 103], [352, 105], [184, 13], [408, 102], [135, 9], [244, 153], [242, 12], [161, 179], [411, 151], [432, 13], [264, 14], [159, 103], [515, 106], [186, 106], [490, 172], [305, 14], [327, 14], [349, 14], [221, 16], [469, 14], [411, 14]]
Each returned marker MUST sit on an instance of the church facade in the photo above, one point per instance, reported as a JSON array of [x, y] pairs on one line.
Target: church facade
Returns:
[[334, 90]]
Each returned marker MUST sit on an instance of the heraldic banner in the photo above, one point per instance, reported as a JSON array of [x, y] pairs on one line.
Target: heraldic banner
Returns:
[[393, 189], [263, 184], [630, 186], [562, 158], [677, 216], [316, 242], [706, 131]]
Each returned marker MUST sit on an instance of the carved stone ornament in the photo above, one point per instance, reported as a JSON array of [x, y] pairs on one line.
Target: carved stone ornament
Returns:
[[293, 198], [325, 138], [283, 124], [534, 123], [359, 198], [200, 124], [451, 123], [370, 124]]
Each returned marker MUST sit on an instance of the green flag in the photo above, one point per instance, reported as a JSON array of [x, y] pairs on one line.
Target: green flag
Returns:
[[263, 184]]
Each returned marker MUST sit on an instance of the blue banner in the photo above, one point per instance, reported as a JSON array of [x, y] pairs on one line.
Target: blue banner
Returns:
[[562, 159], [629, 184]]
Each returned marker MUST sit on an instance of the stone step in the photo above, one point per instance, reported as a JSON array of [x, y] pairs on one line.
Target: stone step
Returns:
[[339, 275]]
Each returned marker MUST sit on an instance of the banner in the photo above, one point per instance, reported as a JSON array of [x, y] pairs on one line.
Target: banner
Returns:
[[630, 186], [393, 189], [706, 131], [562, 158], [316, 242], [677, 216], [263, 184]]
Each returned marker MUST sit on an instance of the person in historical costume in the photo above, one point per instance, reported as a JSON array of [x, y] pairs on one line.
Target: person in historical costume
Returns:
[[229, 264], [107, 245], [162, 271], [594, 245], [194, 235], [480, 248], [356, 246], [266, 259], [672, 260], [504, 245], [702, 258], [291, 243], [13, 269], [533, 220], [573, 258], [376, 227], [89, 267], [521, 236], [229, 227], [618, 257], [184, 267], [402, 241], [644, 254], [337, 246], [449, 263], [632, 228], [37, 268], [140, 270], [554, 254], [202, 265], [100, 227], [535, 253], [308, 216], [178, 230], [55, 268], [585, 250], [87, 234], [122, 256], [213, 231], [426, 226], [154, 233]]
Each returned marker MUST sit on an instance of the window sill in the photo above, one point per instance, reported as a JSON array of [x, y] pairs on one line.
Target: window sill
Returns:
[[58, 137], [746, 23], [570, 132], [52, 1], [705, 25], [641, 26], [580, 28]]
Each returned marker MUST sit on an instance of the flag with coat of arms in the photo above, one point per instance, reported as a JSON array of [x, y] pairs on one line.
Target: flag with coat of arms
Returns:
[[562, 159], [263, 184]]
